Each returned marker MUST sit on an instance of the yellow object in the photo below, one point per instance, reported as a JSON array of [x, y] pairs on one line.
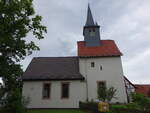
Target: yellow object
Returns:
[[103, 107]]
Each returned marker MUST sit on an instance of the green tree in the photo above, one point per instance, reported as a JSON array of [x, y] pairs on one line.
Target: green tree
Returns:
[[141, 100], [106, 94], [17, 19]]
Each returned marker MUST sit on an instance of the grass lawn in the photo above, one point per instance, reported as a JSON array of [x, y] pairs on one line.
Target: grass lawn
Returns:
[[57, 111]]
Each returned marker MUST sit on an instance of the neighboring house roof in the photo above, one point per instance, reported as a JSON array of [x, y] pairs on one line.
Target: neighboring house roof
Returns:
[[53, 68], [143, 88], [106, 48]]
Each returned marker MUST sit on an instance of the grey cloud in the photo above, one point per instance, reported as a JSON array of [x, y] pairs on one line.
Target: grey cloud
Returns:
[[125, 21]]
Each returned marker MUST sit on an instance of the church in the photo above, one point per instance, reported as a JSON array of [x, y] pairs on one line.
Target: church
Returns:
[[62, 82]]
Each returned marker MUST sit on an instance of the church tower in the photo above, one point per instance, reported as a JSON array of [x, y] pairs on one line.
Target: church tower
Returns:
[[91, 31], [100, 62]]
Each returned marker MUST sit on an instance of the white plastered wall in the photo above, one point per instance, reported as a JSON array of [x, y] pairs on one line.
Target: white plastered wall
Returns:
[[111, 72], [33, 90]]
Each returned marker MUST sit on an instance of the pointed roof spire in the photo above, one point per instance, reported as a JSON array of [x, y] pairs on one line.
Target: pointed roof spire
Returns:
[[89, 20]]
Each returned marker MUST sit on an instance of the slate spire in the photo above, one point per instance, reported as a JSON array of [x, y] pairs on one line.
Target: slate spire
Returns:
[[91, 31], [89, 20]]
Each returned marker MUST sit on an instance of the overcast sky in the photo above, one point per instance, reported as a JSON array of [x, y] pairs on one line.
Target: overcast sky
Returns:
[[125, 21]]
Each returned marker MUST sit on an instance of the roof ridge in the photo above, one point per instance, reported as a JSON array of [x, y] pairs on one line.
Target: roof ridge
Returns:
[[101, 40], [58, 57], [143, 84]]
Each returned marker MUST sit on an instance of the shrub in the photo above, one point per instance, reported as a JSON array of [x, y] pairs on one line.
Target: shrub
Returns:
[[14, 103], [92, 106], [110, 93], [118, 106], [133, 106], [105, 94], [141, 100]]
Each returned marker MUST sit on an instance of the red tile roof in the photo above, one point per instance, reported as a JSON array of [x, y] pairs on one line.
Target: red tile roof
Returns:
[[144, 89], [107, 48]]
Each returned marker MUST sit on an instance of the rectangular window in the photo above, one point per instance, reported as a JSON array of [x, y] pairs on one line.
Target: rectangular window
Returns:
[[101, 84], [92, 64], [101, 67], [65, 90], [46, 90]]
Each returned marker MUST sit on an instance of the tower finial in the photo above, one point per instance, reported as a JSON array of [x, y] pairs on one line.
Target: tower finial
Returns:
[[89, 21]]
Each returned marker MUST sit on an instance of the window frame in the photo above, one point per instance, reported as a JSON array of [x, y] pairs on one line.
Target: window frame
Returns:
[[101, 81], [92, 64], [62, 90], [49, 96]]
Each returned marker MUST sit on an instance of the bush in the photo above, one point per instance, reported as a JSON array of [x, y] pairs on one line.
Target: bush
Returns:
[[115, 108], [118, 106], [142, 101], [14, 103], [126, 108], [105, 94], [133, 106]]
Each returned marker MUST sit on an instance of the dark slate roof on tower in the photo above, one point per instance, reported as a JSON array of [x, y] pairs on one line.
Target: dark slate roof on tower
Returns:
[[53, 68], [89, 21]]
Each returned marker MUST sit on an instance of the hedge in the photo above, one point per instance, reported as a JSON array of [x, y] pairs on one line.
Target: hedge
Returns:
[[94, 108]]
